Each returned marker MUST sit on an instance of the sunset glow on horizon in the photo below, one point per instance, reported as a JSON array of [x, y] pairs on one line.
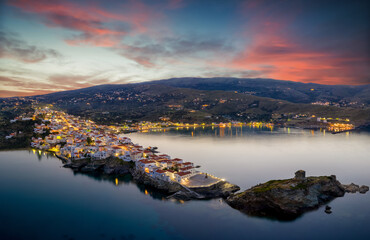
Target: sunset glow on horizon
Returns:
[[49, 46]]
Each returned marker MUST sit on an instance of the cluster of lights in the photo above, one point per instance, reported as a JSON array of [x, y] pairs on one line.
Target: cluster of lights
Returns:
[[339, 127]]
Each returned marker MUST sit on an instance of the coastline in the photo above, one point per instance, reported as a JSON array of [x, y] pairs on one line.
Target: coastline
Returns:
[[219, 189], [273, 191], [87, 147], [174, 189]]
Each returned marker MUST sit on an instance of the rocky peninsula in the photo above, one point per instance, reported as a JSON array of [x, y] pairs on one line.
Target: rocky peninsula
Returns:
[[289, 198], [115, 167], [87, 147]]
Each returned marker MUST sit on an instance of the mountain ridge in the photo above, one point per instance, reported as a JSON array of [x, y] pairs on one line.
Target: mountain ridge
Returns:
[[152, 101], [296, 92], [279, 89]]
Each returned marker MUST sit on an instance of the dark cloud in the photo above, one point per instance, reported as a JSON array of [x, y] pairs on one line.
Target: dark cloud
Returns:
[[174, 49], [11, 46]]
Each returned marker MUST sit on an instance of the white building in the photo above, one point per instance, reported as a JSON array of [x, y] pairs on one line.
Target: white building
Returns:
[[179, 176]]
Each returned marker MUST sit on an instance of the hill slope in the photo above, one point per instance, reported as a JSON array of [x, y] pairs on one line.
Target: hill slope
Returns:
[[286, 90], [116, 103]]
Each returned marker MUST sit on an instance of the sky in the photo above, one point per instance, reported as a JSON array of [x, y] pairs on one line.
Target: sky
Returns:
[[48, 46]]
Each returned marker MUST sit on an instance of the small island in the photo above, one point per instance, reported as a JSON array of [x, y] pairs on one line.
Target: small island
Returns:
[[288, 199]]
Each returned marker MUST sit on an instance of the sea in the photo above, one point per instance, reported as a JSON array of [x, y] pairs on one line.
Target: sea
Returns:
[[39, 199]]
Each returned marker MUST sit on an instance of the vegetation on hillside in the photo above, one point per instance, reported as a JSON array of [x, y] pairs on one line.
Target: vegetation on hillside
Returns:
[[194, 100], [110, 104], [297, 92]]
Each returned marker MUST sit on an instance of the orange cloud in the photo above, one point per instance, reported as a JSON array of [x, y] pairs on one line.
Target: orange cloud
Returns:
[[19, 86], [275, 54], [6, 93]]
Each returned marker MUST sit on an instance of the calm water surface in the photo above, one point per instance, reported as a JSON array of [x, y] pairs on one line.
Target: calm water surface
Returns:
[[39, 199]]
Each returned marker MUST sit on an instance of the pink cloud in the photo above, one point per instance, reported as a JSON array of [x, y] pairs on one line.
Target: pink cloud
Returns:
[[275, 53], [92, 23]]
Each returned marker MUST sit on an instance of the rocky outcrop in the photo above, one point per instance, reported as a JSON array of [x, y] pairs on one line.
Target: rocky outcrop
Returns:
[[116, 168], [108, 166], [221, 189], [363, 189], [76, 165], [288, 198], [186, 195], [64, 159], [180, 192], [92, 167], [353, 188], [168, 187], [113, 166]]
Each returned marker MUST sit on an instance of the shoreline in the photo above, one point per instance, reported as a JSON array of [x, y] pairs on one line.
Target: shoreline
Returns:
[[219, 189], [359, 128], [176, 190], [231, 194]]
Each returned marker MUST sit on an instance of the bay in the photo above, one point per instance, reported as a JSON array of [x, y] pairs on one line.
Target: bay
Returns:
[[39, 199]]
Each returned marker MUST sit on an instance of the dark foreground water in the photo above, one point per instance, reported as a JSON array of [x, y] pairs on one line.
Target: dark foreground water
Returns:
[[39, 199]]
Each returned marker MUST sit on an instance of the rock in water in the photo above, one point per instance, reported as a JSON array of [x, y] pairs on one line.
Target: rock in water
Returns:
[[328, 211], [287, 199], [351, 188], [363, 189]]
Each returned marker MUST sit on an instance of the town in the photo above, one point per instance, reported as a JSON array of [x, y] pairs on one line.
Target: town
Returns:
[[73, 138]]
